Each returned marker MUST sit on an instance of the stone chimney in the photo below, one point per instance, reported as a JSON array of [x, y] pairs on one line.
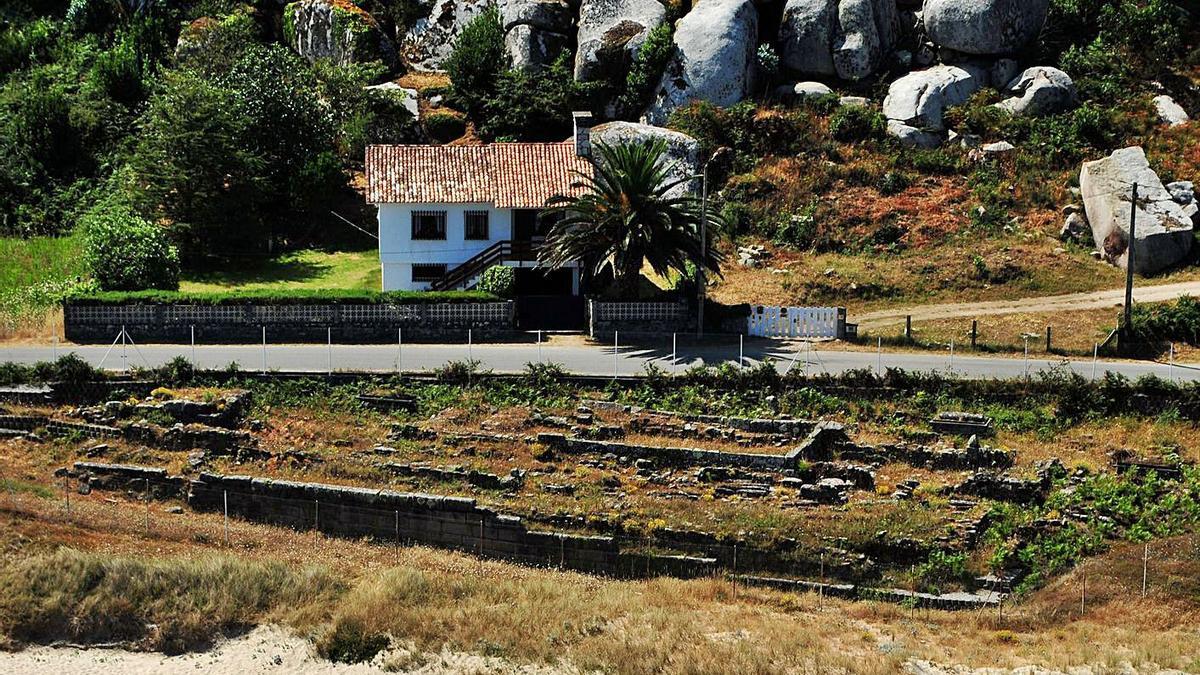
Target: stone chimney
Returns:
[[583, 131]]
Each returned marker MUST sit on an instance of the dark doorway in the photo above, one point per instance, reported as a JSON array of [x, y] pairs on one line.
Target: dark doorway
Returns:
[[527, 226], [544, 301]]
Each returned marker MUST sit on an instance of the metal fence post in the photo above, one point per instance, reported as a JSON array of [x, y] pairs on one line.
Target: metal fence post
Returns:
[[951, 366], [1145, 568], [879, 356], [264, 345], [1095, 358], [674, 361], [147, 496], [741, 350], [470, 351], [616, 343], [225, 499]]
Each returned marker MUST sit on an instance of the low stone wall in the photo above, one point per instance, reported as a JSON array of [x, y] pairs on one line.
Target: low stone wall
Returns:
[[288, 323], [632, 318], [459, 523], [669, 455]]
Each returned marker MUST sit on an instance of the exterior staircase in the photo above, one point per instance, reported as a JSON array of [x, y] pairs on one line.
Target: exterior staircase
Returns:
[[467, 274]]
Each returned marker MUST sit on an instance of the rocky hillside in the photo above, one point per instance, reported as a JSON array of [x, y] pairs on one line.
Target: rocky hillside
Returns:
[[880, 150]]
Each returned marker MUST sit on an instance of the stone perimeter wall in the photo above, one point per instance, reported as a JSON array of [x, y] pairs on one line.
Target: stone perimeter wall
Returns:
[[456, 523], [288, 323]]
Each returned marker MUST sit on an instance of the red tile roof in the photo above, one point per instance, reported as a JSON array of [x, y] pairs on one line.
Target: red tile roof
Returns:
[[508, 175]]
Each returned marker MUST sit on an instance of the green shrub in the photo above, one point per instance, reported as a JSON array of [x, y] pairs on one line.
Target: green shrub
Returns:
[[499, 280], [978, 115], [646, 70], [893, 182], [126, 252], [1168, 322], [534, 105], [444, 126], [851, 123], [477, 62], [749, 132]]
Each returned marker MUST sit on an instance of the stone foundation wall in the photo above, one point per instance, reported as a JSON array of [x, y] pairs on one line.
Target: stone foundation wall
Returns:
[[288, 323]]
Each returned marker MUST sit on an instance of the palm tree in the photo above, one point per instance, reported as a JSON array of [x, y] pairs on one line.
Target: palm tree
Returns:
[[629, 214]]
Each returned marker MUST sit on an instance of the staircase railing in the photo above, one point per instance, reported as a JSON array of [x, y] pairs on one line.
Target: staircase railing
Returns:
[[501, 251]]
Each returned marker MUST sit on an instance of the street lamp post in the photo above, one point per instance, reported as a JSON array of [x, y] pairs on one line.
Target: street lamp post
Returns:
[[701, 281]]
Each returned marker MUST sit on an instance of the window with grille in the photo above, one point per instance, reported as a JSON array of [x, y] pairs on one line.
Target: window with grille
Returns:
[[428, 225], [476, 224], [428, 272]]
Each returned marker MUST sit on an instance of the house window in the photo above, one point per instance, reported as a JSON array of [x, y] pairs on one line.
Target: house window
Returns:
[[428, 272], [428, 225], [476, 224]]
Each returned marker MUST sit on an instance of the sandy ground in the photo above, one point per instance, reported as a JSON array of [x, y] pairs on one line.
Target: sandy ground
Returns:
[[266, 649], [1055, 303]]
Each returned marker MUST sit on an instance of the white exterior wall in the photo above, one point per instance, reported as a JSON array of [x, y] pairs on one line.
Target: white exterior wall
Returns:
[[398, 252]]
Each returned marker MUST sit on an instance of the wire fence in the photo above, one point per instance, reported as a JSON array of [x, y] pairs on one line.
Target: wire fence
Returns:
[[622, 356]]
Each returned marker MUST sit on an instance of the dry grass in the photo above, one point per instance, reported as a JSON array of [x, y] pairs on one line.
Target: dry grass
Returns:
[[178, 573]]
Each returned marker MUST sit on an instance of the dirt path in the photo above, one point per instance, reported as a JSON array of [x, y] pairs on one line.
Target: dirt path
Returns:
[[1053, 303]]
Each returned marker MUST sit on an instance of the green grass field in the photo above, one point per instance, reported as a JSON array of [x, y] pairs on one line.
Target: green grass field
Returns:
[[36, 272], [307, 269], [28, 262]]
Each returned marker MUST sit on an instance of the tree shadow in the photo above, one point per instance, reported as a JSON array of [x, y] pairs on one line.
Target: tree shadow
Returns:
[[235, 271]]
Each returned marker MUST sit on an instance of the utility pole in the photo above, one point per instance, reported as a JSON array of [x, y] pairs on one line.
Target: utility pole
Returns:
[[700, 280], [1128, 320]]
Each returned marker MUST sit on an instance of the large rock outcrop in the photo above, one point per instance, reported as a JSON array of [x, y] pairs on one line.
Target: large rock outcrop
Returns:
[[916, 102], [536, 31], [1163, 231], [984, 26], [714, 58], [846, 38], [610, 34], [431, 39], [1040, 90], [337, 30], [683, 151]]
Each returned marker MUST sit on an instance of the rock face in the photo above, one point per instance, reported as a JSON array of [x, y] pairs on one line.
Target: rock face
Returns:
[[536, 31], [431, 39], [847, 38], [801, 91], [610, 34], [407, 97], [1184, 194], [1040, 91], [1169, 112], [336, 30], [984, 26], [1163, 230], [683, 151], [714, 57], [916, 102]]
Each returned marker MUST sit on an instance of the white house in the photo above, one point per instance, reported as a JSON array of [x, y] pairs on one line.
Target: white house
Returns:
[[446, 213]]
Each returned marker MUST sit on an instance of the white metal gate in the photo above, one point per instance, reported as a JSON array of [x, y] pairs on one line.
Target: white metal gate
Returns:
[[816, 322]]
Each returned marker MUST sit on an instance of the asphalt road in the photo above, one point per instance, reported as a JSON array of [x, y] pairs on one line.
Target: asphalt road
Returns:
[[582, 358]]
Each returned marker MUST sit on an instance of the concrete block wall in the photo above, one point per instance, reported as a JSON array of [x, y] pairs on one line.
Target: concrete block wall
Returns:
[[288, 323]]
